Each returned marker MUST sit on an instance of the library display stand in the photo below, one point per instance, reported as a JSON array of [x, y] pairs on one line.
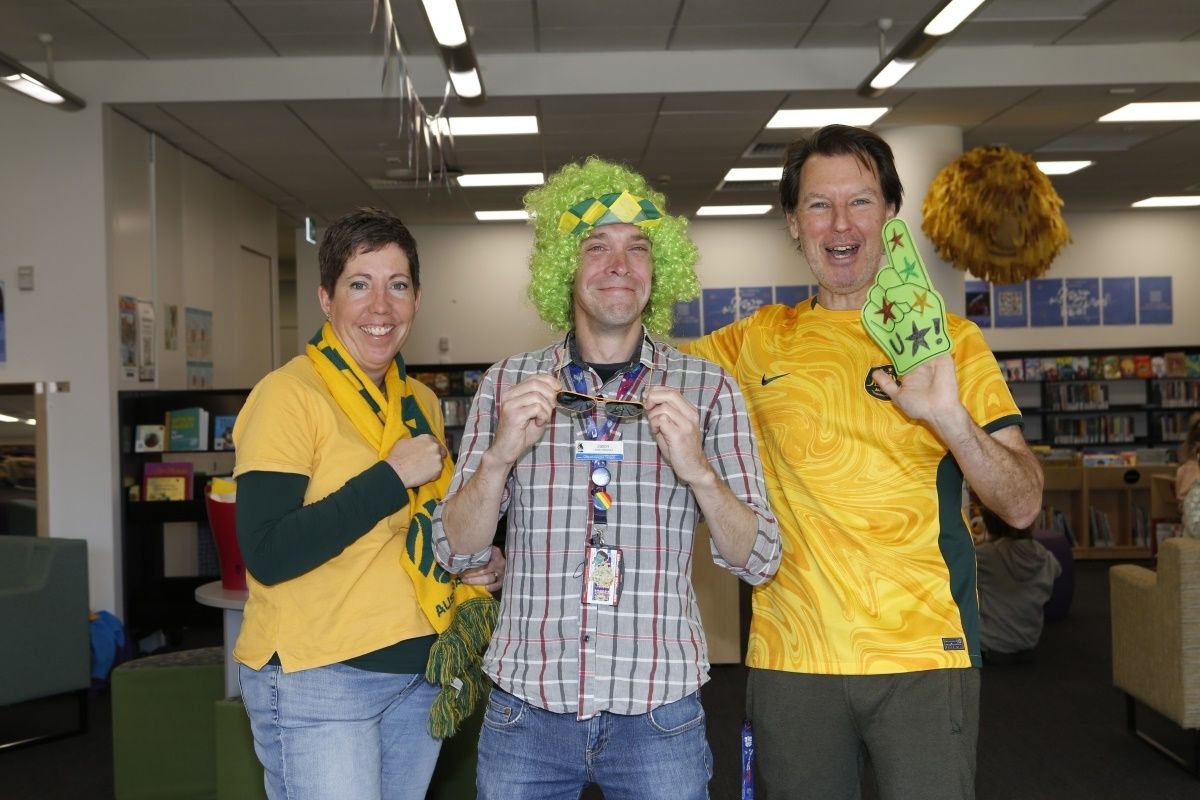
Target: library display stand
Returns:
[[1109, 510], [159, 600]]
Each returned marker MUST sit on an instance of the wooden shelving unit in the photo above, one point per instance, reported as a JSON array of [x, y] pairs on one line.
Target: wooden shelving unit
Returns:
[[1122, 497]]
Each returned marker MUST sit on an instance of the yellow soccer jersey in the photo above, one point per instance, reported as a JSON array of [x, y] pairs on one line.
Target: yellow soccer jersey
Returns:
[[878, 572]]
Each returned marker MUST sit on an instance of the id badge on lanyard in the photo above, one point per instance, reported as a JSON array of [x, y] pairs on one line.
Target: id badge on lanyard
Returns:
[[603, 566]]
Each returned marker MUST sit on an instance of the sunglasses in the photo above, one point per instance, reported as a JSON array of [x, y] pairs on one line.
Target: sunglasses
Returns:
[[577, 403]]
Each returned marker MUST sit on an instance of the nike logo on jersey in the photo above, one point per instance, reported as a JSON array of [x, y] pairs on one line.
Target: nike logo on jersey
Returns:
[[766, 380]]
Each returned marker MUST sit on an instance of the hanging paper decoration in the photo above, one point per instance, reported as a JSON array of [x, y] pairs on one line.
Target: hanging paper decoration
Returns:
[[993, 213], [428, 135]]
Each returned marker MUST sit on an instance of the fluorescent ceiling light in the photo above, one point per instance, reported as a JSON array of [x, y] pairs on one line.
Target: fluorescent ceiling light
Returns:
[[501, 216], [819, 117], [488, 126], [951, 16], [31, 422], [27, 84], [1154, 112], [732, 211], [7, 418], [892, 74], [754, 174], [1178, 201], [466, 84], [446, 22], [1062, 167], [503, 179]]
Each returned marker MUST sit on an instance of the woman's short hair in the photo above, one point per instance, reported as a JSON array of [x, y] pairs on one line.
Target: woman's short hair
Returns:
[[555, 257], [363, 230]]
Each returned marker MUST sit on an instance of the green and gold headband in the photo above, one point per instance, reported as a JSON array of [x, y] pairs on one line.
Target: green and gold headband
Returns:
[[609, 209]]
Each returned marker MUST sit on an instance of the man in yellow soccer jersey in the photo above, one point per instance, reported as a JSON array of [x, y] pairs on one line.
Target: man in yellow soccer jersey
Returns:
[[867, 640]]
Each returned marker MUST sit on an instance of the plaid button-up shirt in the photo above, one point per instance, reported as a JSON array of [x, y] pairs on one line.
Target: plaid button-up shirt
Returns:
[[550, 649]]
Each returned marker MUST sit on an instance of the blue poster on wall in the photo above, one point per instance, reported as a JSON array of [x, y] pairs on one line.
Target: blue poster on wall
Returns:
[[790, 295], [979, 302], [1154, 301], [1082, 301], [1045, 302], [720, 308], [751, 298], [1009, 307], [687, 320], [1118, 307]]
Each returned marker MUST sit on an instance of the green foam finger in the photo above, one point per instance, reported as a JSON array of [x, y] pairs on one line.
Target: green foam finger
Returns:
[[904, 313]]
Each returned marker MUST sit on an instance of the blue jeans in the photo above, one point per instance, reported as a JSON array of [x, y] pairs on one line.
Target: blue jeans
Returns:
[[528, 753], [341, 732]]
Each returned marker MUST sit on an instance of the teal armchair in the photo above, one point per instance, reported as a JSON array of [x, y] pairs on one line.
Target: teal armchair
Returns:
[[44, 620]]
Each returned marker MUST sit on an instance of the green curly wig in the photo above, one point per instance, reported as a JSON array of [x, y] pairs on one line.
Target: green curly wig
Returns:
[[556, 254]]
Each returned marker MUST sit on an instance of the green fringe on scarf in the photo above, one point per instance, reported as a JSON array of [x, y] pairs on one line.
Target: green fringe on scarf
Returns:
[[463, 615]]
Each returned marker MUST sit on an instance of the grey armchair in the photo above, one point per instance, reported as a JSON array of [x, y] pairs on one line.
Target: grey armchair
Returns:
[[44, 620]]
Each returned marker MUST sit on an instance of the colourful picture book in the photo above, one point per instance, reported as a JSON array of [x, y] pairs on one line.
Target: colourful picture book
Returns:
[[223, 431], [1128, 367], [1112, 368], [1193, 365], [167, 480], [1142, 367], [1066, 368], [187, 429], [1176, 364], [1158, 366], [1033, 369]]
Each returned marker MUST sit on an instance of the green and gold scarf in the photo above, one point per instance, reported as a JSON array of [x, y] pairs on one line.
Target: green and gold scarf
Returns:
[[463, 615]]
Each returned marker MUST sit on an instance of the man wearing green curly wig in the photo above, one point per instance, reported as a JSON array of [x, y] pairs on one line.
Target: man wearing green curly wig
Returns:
[[603, 451]]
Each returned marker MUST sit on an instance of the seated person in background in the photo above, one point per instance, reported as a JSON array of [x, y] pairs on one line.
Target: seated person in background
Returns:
[[1016, 575], [1185, 479]]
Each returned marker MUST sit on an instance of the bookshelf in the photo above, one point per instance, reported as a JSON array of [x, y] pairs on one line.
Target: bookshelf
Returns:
[[455, 386], [1110, 509], [157, 597], [1122, 398]]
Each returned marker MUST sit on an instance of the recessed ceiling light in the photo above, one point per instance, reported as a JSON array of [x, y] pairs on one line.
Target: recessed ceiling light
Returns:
[[1154, 112], [488, 126], [819, 117], [754, 174], [501, 216], [732, 211], [503, 179], [1177, 201], [1062, 167]]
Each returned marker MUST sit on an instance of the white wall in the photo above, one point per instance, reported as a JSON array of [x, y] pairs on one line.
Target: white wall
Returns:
[[52, 217]]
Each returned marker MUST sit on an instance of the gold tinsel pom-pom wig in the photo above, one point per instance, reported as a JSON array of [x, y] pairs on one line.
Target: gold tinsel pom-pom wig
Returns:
[[993, 213], [555, 257]]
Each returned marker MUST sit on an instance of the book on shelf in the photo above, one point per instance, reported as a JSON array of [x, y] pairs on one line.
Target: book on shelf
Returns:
[[1066, 368], [223, 431], [1158, 366], [187, 429], [471, 379], [1014, 369], [166, 480], [148, 438], [1052, 519], [1142, 367], [1123, 459], [1176, 364], [1192, 364], [1100, 528], [1033, 369], [1128, 367], [1111, 368], [1049, 368]]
